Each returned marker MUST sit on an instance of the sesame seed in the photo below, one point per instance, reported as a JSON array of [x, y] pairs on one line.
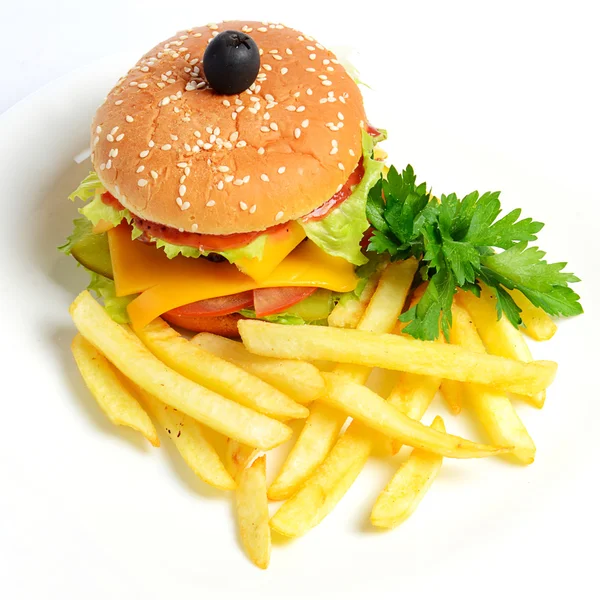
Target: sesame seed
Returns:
[[196, 148], [351, 152], [129, 119], [109, 163], [309, 92], [144, 153], [98, 129], [234, 136], [140, 169], [103, 166], [240, 144], [326, 82], [145, 85], [297, 132], [310, 70], [284, 70], [288, 51], [342, 99], [264, 177], [165, 147], [340, 116], [185, 206], [226, 103], [277, 57], [279, 215], [334, 143], [300, 38], [264, 129], [165, 100], [182, 179], [281, 170], [333, 151], [120, 137], [273, 51], [270, 105], [182, 190], [133, 83], [210, 203], [312, 56], [252, 110], [273, 126], [234, 115], [229, 178], [261, 150], [262, 29], [212, 139], [194, 227], [243, 206], [252, 209], [113, 153], [326, 61], [154, 174], [220, 185], [301, 109], [239, 109], [238, 182], [246, 179], [96, 140], [320, 47], [323, 77], [223, 168], [142, 182], [179, 202], [267, 67], [323, 101], [330, 69], [118, 102], [341, 166], [269, 98], [291, 108], [110, 137], [311, 48]]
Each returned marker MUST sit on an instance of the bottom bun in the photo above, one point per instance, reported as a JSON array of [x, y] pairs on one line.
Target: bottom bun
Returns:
[[225, 325]]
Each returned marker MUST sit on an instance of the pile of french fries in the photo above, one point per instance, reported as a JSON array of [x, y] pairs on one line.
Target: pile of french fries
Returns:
[[249, 391]]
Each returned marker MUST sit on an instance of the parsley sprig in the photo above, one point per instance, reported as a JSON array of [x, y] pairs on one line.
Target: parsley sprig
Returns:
[[459, 243]]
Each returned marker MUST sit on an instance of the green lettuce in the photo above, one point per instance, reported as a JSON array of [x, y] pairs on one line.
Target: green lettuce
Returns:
[[341, 231], [87, 188], [105, 288]]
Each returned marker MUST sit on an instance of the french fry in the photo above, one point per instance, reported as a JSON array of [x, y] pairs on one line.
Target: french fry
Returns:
[[136, 362], [252, 510], [115, 400], [493, 409], [366, 406], [217, 374], [238, 456], [324, 423], [325, 488], [408, 487], [498, 335], [397, 353], [348, 314], [536, 323], [300, 380], [453, 393], [190, 441]]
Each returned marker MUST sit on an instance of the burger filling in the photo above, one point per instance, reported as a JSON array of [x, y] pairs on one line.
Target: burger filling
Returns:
[[337, 227]]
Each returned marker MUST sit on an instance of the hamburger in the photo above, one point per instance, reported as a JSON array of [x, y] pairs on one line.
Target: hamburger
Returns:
[[232, 166]]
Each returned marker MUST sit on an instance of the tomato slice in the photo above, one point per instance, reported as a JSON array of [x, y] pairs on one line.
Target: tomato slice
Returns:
[[214, 307], [270, 301]]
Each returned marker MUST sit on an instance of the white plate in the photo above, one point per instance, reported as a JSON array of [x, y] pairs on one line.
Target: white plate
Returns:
[[91, 511]]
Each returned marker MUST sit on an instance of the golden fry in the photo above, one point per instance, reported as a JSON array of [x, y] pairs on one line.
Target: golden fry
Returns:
[[536, 323], [408, 487], [136, 362], [493, 409], [453, 393], [397, 353], [498, 335], [347, 314], [112, 396], [189, 439]]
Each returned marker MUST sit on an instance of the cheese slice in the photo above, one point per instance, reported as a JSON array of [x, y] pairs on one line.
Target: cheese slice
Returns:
[[277, 247], [165, 284]]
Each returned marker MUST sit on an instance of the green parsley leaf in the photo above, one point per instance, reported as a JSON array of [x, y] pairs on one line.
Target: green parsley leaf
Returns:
[[460, 242]]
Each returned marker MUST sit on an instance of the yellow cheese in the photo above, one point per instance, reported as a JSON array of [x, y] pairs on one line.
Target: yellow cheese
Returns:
[[166, 284], [277, 247]]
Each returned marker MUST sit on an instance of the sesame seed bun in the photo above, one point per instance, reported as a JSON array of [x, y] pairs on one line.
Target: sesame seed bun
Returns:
[[174, 152]]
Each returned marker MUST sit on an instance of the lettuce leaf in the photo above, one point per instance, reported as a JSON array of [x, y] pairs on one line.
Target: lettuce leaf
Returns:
[[105, 288], [87, 188], [341, 231]]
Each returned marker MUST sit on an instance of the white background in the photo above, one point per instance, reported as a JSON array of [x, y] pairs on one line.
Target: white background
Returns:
[[482, 95]]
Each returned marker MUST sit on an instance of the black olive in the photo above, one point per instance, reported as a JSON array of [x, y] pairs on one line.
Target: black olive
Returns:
[[231, 62]]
